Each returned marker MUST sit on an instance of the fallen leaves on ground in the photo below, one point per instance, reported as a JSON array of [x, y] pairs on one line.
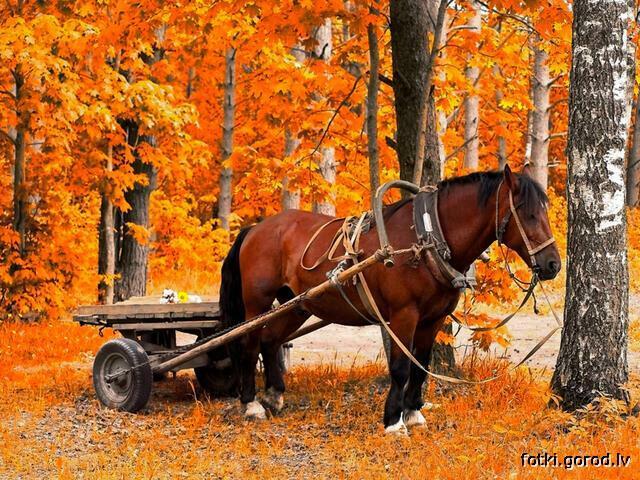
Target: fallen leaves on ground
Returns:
[[53, 427]]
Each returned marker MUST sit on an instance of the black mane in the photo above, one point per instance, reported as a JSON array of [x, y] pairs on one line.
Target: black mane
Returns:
[[531, 195]]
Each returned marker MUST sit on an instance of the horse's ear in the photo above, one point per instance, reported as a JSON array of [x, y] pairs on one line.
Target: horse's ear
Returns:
[[526, 170], [511, 180]]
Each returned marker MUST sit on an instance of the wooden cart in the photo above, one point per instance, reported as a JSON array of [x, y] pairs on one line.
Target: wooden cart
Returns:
[[124, 369], [153, 332]]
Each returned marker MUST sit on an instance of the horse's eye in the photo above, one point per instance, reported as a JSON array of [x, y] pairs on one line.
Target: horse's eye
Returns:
[[532, 216]]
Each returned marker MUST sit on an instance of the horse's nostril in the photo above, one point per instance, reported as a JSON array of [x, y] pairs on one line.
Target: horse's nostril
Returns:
[[553, 266]]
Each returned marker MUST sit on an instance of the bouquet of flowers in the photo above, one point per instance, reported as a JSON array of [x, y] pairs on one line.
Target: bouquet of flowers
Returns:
[[171, 296]]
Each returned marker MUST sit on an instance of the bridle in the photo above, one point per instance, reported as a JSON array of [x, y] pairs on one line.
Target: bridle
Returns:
[[501, 227]]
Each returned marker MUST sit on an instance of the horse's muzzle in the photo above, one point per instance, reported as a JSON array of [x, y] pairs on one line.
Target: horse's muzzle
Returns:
[[549, 269]]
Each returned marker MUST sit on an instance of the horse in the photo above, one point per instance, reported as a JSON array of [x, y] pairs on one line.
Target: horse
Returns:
[[264, 265]]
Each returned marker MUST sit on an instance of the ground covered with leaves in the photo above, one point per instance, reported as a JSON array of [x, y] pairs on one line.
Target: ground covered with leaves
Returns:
[[53, 427]]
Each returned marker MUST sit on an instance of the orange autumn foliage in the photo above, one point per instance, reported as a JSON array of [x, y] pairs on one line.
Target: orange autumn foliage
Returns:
[[87, 68]]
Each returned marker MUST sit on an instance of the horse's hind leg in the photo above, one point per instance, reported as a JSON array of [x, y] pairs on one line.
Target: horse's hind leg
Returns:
[[423, 344], [248, 358], [272, 339]]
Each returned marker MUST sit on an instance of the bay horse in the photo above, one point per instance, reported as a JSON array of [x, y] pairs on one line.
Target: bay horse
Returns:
[[264, 264]]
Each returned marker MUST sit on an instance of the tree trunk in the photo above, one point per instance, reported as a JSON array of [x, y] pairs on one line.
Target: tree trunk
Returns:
[[372, 111], [106, 243], [290, 195], [593, 353], [410, 28], [19, 170], [633, 170], [229, 108], [441, 115], [472, 102], [502, 142], [134, 256], [540, 116], [328, 170], [323, 51]]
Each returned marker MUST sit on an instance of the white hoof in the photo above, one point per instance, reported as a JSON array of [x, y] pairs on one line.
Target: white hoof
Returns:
[[398, 428], [274, 399], [255, 411], [414, 418]]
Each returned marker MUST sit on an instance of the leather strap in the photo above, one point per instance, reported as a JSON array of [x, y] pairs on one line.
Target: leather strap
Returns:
[[505, 320]]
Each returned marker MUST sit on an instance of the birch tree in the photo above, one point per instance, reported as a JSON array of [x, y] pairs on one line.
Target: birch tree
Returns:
[[327, 165], [541, 85], [290, 198], [472, 101], [593, 354], [228, 108]]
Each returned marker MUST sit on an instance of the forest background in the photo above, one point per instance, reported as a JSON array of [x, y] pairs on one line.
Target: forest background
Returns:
[[171, 125]]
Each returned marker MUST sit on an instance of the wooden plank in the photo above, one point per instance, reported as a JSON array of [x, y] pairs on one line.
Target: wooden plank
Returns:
[[158, 310], [183, 325]]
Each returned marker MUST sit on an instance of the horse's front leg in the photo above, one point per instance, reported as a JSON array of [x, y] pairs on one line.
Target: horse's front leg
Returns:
[[423, 340], [403, 324]]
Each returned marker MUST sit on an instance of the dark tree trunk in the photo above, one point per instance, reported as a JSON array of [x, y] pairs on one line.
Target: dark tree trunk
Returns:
[[633, 170], [593, 353], [134, 256], [372, 111], [410, 29], [19, 168], [410, 57]]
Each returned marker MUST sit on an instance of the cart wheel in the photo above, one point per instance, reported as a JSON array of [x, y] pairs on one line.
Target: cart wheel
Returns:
[[219, 378], [129, 391]]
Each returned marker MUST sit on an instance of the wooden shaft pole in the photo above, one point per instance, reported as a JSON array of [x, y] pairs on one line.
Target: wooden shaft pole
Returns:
[[308, 329], [265, 318]]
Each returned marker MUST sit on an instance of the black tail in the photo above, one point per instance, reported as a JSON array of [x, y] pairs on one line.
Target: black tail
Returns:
[[231, 304]]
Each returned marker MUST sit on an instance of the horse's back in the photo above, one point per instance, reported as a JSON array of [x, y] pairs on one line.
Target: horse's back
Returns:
[[273, 248]]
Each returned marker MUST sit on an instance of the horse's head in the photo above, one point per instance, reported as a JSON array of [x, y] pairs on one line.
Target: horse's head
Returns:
[[522, 223]]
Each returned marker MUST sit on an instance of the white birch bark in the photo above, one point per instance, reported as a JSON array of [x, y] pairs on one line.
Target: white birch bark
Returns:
[[502, 142], [472, 101], [290, 198], [441, 115], [228, 107], [541, 85], [290, 195], [593, 353], [327, 165]]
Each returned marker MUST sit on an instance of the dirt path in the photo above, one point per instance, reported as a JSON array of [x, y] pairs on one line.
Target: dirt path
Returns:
[[348, 345]]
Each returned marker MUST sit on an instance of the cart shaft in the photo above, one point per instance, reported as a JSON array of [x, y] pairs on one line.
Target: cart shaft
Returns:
[[261, 320]]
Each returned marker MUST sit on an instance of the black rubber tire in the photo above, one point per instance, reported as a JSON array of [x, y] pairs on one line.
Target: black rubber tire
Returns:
[[130, 392], [220, 378]]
